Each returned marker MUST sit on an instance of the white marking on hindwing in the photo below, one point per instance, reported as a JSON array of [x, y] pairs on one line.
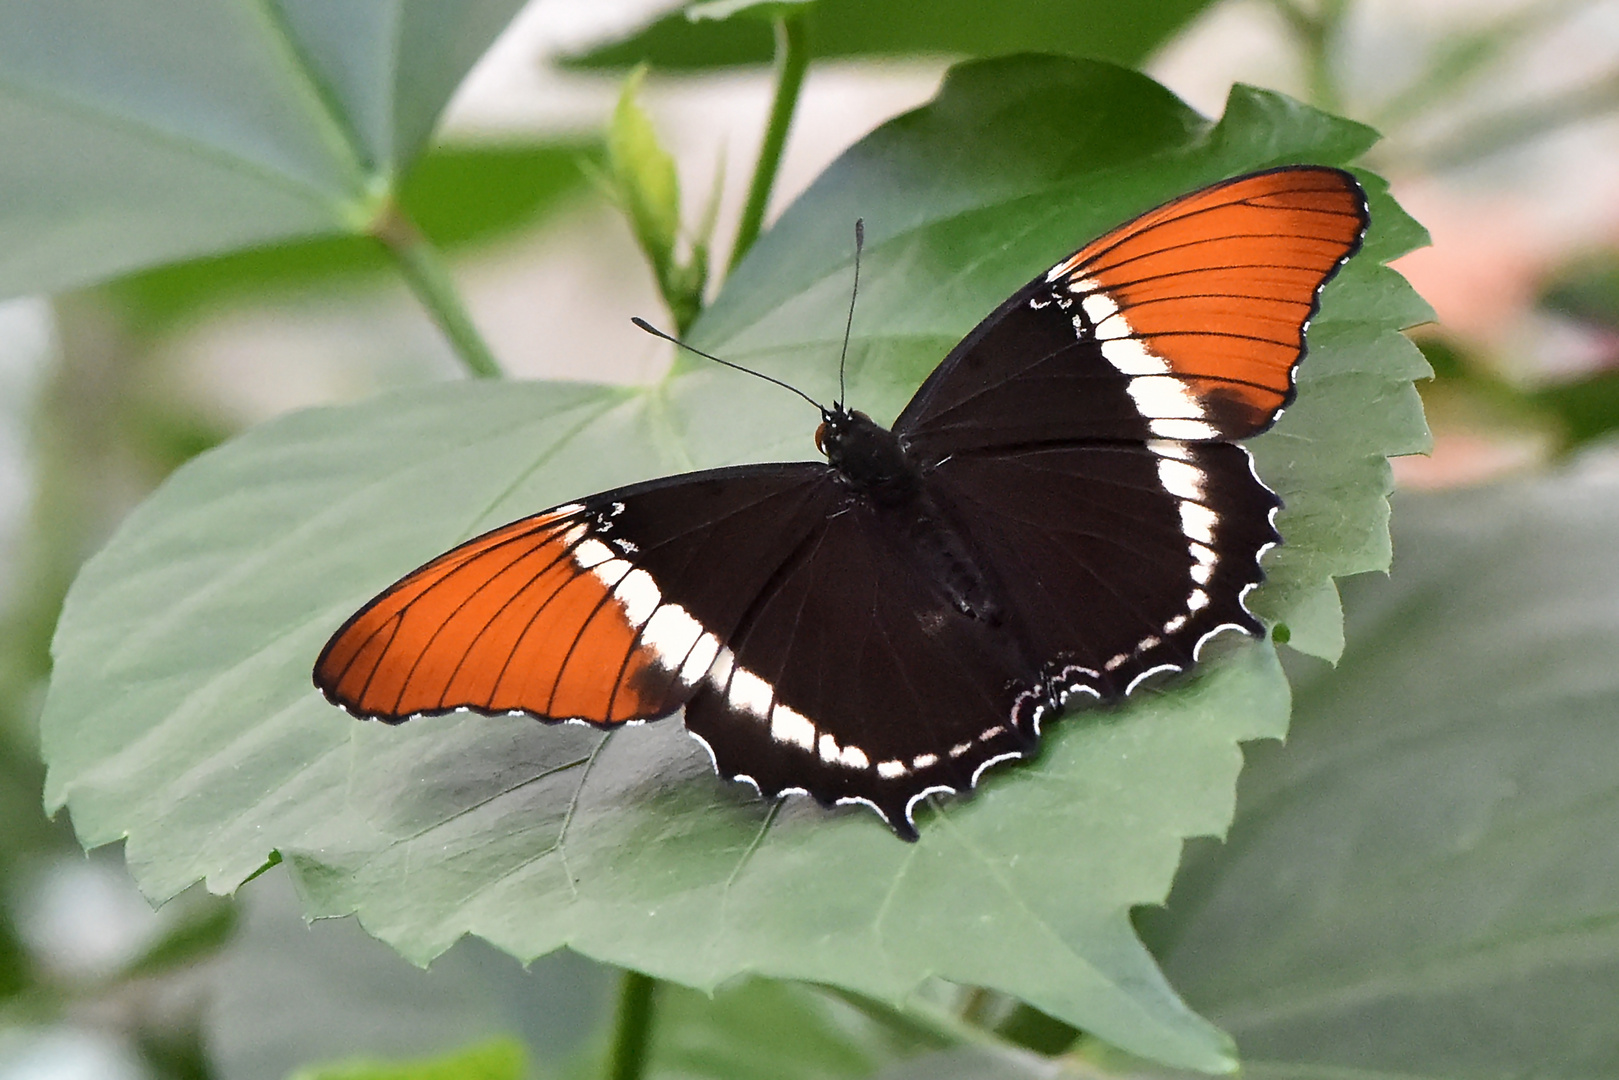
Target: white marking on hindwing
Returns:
[[789, 726], [1197, 522], [1182, 480], [750, 694]]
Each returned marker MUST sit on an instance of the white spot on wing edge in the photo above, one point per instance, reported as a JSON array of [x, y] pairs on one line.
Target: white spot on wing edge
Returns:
[[1198, 521], [590, 553], [639, 594], [1130, 357], [1191, 430], [700, 660], [750, 693], [789, 726], [1164, 397], [671, 634], [1180, 479], [1166, 449]]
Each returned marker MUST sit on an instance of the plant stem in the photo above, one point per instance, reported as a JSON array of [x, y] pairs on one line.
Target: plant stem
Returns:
[[1316, 33], [632, 1030], [1511, 128], [792, 59], [424, 270]]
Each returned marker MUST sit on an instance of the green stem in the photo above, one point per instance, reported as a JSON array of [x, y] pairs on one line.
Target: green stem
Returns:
[[632, 1032], [424, 270], [1513, 127], [792, 60], [1316, 33]]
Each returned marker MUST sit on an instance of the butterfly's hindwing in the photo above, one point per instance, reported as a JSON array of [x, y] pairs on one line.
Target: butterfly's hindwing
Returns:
[[1118, 559], [857, 679]]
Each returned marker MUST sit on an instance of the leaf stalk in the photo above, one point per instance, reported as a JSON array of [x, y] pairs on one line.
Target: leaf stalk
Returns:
[[424, 270], [792, 60], [632, 1028]]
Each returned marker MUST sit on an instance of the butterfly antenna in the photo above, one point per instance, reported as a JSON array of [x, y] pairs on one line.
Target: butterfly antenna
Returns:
[[655, 332], [859, 243]]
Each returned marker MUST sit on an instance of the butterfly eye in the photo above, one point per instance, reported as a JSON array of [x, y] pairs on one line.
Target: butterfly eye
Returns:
[[820, 438]]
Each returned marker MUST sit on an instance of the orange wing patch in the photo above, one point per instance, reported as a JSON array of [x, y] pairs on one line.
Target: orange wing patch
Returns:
[[1216, 290], [537, 616]]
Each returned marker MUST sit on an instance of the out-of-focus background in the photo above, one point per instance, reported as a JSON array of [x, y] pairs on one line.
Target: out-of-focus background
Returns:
[[1501, 120]]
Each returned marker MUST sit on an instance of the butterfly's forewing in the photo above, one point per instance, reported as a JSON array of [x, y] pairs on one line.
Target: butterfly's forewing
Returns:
[[1186, 323], [607, 610]]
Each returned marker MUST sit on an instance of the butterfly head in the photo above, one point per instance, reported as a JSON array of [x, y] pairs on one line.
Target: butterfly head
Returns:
[[865, 453]]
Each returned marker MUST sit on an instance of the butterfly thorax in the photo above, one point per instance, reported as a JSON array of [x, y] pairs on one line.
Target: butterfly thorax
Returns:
[[869, 458], [872, 461]]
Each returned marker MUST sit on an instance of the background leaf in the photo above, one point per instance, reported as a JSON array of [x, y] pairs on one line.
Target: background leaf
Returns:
[[286, 994], [1123, 33], [459, 196], [1422, 883], [181, 716], [498, 1059], [208, 127]]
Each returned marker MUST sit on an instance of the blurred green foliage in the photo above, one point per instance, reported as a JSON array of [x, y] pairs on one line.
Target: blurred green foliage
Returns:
[[1123, 33], [458, 196]]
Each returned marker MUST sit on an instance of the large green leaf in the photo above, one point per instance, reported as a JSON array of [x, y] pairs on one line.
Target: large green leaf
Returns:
[[1422, 884], [1124, 33], [181, 716], [152, 130], [286, 995]]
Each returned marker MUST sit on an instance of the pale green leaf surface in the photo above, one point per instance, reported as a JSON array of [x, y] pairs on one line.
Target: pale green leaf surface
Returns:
[[286, 994], [182, 717], [1421, 884], [146, 131]]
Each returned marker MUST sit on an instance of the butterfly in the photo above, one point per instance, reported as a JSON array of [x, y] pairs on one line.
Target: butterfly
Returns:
[[1060, 512]]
